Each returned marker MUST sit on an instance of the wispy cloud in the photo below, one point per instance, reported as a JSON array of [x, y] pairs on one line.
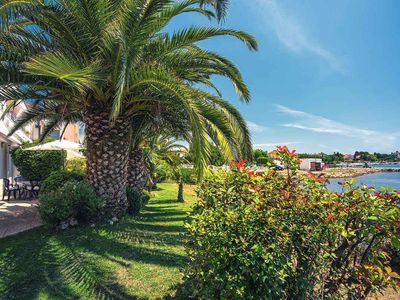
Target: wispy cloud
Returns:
[[292, 34], [319, 124], [273, 145], [256, 128]]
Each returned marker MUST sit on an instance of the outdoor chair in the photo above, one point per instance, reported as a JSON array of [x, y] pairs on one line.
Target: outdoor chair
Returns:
[[33, 189], [20, 181], [8, 188]]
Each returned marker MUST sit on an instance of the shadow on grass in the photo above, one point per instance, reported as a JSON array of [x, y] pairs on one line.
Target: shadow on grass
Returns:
[[67, 265]]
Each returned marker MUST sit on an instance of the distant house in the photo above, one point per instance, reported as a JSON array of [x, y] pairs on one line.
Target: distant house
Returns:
[[348, 157], [311, 164]]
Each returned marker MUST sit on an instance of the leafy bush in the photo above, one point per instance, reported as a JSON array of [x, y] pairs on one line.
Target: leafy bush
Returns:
[[263, 160], [76, 165], [188, 176], [136, 200], [58, 178], [74, 200], [38, 165], [163, 171], [145, 198], [275, 236]]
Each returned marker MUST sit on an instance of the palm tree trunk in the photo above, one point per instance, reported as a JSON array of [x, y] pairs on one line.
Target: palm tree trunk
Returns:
[[136, 170], [180, 192], [107, 160]]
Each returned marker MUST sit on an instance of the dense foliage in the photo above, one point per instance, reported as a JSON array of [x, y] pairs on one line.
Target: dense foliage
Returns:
[[285, 236], [187, 175], [136, 200], [58, 178], [335, 157], [73, 202], [76, 165], [262, 158], [38, 165]]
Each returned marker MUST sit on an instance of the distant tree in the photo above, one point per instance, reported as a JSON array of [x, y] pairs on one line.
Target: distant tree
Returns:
[[336, 157], [364, 156], [264, 160], [261, 157], [258, 153], [310, 155]]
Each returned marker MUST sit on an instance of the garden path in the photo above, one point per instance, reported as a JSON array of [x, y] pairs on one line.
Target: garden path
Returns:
[[17, 216]]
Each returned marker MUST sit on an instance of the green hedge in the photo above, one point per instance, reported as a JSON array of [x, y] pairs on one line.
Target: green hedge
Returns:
[[38, 165], [58, 178]]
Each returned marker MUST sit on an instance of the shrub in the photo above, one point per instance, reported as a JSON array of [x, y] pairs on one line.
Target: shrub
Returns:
[[37, 165], [76, 165], [73, 201], [58, 178], [136, 200], [145, 198], [263, 160], [163, 171], [276, 236], [188, 176]]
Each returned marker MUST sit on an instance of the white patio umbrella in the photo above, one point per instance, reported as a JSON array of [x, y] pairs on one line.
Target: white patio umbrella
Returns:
[[72, 148]]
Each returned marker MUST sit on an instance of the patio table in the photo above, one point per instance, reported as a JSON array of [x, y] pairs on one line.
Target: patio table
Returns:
[[28, 189]]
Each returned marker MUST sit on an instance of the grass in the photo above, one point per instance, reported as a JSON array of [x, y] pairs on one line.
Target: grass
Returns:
[[139, 258]]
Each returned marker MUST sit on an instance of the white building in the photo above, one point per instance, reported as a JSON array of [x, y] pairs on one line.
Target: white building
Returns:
[[7, 143], [311, 164]]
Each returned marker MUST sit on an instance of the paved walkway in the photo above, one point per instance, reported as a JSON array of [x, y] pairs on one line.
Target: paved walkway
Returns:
[[17, 216]]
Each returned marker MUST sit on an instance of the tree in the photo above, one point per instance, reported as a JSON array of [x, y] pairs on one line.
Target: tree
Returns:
[[166, 148], [221, 6], [99, 58]]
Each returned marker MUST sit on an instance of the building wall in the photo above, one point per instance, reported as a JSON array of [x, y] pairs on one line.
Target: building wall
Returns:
[[72, 133], [306, 163]]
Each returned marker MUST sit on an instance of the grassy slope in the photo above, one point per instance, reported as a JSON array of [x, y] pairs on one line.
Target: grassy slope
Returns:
[[139, 258]]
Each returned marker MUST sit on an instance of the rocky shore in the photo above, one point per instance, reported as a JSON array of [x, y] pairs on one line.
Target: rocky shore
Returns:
[[353, 172]]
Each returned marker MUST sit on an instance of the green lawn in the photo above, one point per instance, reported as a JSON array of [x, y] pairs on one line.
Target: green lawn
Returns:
[[139, 258]]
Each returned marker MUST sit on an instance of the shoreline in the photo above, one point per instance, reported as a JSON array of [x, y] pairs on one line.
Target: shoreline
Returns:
[[353, 172]]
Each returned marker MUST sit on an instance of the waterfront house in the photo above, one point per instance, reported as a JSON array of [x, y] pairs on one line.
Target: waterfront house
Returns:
[[311, 164]]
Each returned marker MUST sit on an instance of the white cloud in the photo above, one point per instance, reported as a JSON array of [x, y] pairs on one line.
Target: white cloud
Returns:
[[273, 145], [314, 123], [292, 34], [255, 128]]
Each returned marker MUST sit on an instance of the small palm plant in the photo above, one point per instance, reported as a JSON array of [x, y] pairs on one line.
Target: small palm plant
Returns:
[[166, 148]]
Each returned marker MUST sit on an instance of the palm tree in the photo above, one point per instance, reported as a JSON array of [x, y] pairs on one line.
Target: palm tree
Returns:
[[221, 6], [98, 58], [164, 147], [160, 116]]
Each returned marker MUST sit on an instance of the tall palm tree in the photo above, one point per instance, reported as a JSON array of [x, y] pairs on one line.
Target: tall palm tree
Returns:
[[98, 58], [160, 116]]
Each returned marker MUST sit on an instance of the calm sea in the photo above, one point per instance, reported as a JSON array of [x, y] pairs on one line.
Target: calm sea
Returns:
[[375, 180], [387, 166]]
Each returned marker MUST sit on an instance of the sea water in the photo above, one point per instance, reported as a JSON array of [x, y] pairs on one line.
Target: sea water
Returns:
[[391, 179]]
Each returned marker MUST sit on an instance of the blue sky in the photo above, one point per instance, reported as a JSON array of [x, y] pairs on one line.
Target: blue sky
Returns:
[[326, 77]]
